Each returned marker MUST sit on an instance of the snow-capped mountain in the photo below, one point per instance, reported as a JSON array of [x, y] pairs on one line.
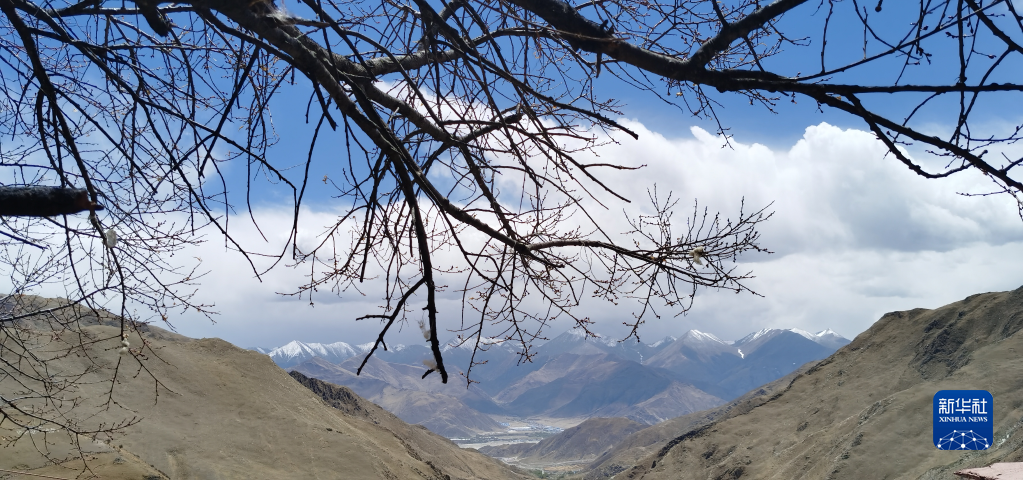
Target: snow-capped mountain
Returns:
[[825, 338], [693, 345], [729, 369], [663, 341], [572, 341], [573, 374], [576, 341], [831, 339], [698, 358], [364, 347], [690, 345], [297, 352], [696, 338], [487, 343]]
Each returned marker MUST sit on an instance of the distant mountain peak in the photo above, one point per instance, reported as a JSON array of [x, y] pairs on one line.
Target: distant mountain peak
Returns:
[[470, 343], [701, 336], [805, 334], [295, 352], [756, 335], [667, 339], [577, 332], [580, 334], [827, 337], [822, 335]]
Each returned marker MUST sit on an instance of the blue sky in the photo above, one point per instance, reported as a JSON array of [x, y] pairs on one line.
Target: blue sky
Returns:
[[855, 233]]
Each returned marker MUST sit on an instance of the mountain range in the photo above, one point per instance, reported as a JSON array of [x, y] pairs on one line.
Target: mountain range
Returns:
[[572, 376], [572, 341]]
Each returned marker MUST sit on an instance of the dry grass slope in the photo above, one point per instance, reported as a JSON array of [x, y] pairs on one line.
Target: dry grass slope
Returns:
[[865, 412], [630, 450], [428, 446], [226, 413]]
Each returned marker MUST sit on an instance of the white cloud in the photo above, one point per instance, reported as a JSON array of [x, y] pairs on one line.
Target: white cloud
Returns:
[[834, 189], [856, 235]]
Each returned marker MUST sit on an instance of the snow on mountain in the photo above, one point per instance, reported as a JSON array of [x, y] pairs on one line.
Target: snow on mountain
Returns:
[[807, 335], [827, 338], [756, 335], [579, 335], [663, 341], [470, 344], [576, 341], [831, 339], [576, 332], [366, 347], [296, 352], [573, 340], [693, 346], [696, 335]]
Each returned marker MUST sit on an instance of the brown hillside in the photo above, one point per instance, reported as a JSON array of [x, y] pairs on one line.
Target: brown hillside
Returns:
[[629, 450], [225, 413], [383, 384], [865, 412]]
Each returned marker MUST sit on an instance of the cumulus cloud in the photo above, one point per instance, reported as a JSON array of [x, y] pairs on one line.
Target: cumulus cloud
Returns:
[[833, 189], [856, 234]]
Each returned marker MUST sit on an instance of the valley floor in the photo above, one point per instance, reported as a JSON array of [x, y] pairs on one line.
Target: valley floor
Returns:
[[519, 430]]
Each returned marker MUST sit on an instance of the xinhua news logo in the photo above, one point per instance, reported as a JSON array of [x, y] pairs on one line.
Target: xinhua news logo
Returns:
[[963, 419]]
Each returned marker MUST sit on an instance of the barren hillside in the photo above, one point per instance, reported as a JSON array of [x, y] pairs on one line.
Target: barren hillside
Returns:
[[865, 412], [221, 412]]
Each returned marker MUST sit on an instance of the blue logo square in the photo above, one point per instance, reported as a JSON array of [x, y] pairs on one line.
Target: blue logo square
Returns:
[[963, 419]]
